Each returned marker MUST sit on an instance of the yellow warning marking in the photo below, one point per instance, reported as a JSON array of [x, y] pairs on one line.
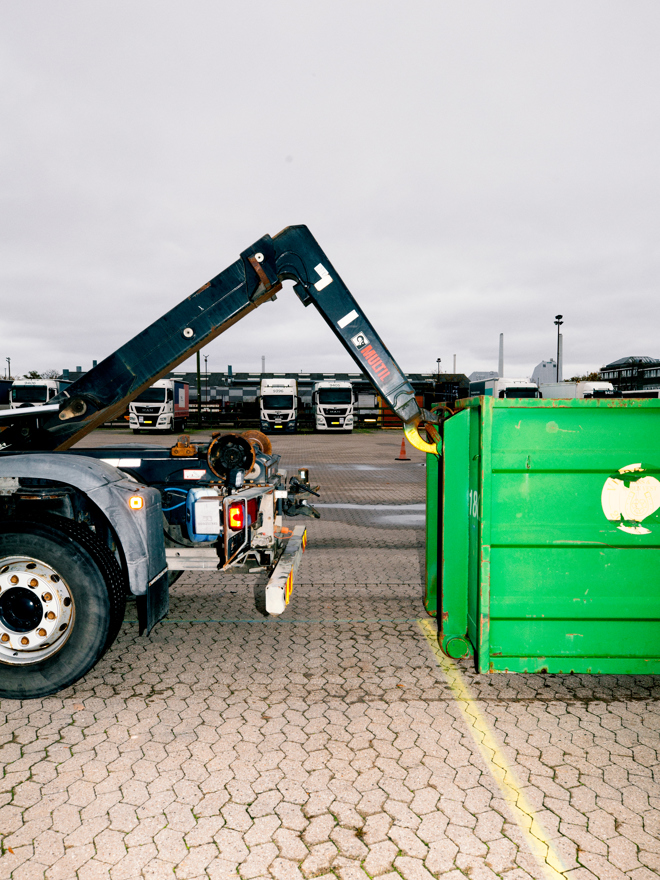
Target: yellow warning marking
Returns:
[[288, 588], [524, 814]]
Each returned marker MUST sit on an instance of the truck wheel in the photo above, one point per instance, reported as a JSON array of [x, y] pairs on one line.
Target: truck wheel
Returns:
[[62, 599]]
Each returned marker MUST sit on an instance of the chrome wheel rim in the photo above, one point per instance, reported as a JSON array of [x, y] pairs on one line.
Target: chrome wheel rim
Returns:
[[37, 611]]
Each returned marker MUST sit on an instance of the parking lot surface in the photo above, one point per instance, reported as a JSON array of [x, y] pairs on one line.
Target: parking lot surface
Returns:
[[333, 741]]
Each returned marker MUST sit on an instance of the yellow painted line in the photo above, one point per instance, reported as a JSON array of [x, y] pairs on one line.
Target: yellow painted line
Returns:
[[491, 751]]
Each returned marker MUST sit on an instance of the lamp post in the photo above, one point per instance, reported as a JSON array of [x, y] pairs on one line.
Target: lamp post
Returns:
[[199, 392], [8, 367], [438, 360], [558, 322], [206, 374]]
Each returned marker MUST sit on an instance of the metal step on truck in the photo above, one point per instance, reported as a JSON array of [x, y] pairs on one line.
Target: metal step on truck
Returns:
[[80, 529]]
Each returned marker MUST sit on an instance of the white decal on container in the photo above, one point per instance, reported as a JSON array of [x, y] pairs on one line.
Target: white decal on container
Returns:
[[631, 504]]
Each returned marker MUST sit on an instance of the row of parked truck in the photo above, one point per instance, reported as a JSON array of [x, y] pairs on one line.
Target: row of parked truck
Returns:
[[522, 388], [165, 406]]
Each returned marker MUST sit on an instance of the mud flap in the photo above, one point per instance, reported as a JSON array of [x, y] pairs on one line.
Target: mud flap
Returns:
[[155, 604]]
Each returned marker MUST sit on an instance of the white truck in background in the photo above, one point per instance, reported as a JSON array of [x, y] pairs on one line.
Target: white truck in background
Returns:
[[511, 388], [573, 390], [278, 405], [34, 392], [596, 389], [164, 406], [333, 404]]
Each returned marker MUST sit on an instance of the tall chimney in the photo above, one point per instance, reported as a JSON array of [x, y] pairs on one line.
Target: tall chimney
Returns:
[[263, 363], [500, 365], [454, 364]]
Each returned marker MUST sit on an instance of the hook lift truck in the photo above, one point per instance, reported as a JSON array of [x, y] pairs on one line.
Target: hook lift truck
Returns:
[[82, 528]]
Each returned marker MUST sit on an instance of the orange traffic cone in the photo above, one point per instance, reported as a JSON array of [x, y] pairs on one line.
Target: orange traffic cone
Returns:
[[402, 454]]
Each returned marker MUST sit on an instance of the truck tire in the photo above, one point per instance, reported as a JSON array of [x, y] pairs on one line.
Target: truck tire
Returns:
[[62, 600]]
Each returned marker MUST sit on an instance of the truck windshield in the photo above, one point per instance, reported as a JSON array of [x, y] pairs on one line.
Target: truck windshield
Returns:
[[335, 396], [520, 392], [277, 401], [29, 394], [151, 395]]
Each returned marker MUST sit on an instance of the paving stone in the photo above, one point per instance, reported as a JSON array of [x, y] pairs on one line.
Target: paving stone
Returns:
[[348, 843], [412, 869], [441, 856], [282, 869], [408, 842], [350, 872], [258, 861], [133, 863]]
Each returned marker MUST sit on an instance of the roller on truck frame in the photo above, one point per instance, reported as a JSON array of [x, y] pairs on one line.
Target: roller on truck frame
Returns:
[[81, 528]]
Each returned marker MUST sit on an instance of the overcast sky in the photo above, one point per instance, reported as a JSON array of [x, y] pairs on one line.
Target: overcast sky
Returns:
[[470, 168]]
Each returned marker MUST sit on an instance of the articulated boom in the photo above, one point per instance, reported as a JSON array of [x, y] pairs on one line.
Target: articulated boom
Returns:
[[255, 278]]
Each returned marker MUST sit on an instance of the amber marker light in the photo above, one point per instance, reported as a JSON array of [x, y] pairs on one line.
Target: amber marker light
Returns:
[[136, 502]]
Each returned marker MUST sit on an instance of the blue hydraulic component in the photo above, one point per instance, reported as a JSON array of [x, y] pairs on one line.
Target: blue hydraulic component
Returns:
[[204, 514]]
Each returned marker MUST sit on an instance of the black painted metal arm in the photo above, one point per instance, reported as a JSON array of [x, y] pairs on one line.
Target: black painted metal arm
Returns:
[[293, 254]]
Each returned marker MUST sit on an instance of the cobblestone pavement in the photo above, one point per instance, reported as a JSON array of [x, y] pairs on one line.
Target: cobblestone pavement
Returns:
[[330, 742]]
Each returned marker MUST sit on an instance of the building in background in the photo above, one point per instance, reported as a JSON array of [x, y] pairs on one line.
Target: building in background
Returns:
[[478, 381], [545, 372], [633, 373]]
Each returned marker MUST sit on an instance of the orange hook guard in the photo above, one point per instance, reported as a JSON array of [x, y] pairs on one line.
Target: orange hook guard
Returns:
[[411, 430]]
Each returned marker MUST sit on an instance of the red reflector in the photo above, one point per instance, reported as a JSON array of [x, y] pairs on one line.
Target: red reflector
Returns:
[[237, 517]]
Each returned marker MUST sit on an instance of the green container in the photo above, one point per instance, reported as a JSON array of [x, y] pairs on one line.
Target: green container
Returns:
[[543, 544]]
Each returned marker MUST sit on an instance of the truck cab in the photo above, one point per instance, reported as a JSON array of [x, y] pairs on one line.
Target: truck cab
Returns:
[[278, 405], [596, 389], [162, 407], [333, 406], [32, 392], [511, 388]]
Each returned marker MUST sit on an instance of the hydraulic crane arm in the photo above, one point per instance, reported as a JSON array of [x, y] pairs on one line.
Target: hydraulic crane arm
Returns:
[[292, 254]]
